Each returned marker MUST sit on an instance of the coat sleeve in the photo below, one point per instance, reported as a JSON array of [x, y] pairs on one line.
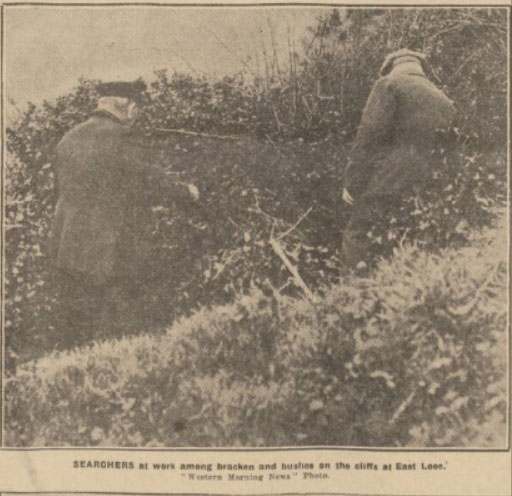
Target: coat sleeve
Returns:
[[374, 134]]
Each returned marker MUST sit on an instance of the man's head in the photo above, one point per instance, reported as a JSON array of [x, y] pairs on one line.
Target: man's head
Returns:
[[120, 99], [123, 89], [402, 56]]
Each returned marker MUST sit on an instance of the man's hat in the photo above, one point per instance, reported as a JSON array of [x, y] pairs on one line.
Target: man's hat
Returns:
[[403, 52], [125, 89]]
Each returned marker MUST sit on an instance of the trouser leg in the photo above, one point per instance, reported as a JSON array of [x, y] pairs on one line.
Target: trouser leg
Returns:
[[123, 311], [79, 309], [356, 243], [365, 236]]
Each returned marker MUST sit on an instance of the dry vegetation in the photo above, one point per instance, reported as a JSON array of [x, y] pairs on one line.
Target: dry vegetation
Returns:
[[411, 354]]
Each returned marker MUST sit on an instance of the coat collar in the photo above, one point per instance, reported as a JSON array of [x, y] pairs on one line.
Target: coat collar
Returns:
[[407, 68], [106, 115], [118, 107]]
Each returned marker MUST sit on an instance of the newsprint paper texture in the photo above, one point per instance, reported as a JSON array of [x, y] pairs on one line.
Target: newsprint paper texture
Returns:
[[255, 248]]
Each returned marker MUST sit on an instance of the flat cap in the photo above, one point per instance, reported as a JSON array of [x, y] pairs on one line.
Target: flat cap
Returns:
[[125, 89], [403, 52]]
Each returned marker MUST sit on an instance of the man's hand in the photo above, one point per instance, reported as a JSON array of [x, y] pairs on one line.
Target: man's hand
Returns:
[[184, 191], [347, 197], [194, 192]]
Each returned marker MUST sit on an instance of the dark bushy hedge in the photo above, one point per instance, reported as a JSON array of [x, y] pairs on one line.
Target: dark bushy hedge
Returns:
[[413, 356]]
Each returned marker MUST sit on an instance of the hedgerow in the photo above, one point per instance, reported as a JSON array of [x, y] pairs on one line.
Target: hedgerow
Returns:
[[412, 356]]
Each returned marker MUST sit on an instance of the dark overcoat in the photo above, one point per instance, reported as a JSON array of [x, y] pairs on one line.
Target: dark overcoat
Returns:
[[101, 227], [396, 135]]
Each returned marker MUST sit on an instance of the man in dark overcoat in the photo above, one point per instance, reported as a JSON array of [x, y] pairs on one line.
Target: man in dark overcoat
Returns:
[[100, 237], [393, 146]]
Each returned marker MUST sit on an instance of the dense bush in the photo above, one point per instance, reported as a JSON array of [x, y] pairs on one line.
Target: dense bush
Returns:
[[30, 196], [413, 356]]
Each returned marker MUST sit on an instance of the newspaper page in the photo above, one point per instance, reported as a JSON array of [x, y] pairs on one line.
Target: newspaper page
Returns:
[[255, 248]]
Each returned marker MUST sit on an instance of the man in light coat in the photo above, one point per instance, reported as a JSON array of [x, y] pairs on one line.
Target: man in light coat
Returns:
[[393, 145], [99, 241]]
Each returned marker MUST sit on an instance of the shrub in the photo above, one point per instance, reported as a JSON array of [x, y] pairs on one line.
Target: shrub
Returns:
[[414, 355], [293, 135]]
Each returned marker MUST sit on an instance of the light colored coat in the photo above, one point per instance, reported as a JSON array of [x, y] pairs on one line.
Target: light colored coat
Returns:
[[396, 135]]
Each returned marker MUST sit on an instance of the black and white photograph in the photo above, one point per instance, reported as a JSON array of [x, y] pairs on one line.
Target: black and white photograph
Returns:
[[275, 226]]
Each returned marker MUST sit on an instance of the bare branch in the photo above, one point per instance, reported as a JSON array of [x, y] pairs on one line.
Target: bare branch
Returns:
[[403, 406], [278, 250], [193, 133], [301, 218]]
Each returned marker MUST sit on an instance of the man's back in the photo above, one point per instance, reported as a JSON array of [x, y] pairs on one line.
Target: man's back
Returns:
[[421, 109], [89, 166], [396, 133], [393, 148], [90, 214]]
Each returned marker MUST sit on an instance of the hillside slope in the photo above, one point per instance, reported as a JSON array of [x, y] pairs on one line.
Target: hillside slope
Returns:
[[413, 355]]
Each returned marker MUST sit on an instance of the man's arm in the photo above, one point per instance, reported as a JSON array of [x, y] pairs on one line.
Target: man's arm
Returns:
[[375, 132], [158, 179], [155, 178]]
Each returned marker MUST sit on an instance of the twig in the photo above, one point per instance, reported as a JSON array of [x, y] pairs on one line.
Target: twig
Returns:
[[228, 49], [267, 70], [309, 113], [278, 122], [495, 75], [194, 133], [274, 144], [456, 73], [454, 27], [465, 309], [402, 408], [274, 49], [284, 286], [278, 250], [258, 210], [234, 223], [183, 59], [224, 263], [301, 218]]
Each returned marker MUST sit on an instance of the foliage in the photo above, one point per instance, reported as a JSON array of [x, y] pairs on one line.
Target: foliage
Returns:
[[466, 49], [273, 175], [292, 138], [30, 193], [387, 360], [461, 190]]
